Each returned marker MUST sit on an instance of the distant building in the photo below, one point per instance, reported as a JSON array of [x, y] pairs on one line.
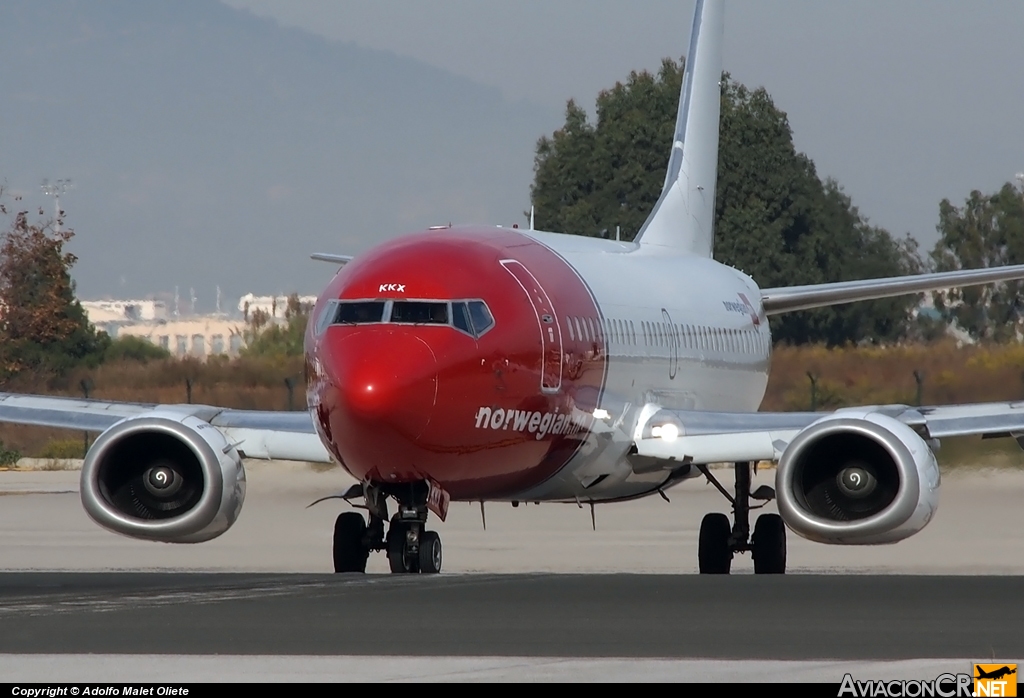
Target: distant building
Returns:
[[103, 312], [197, 337], [191, 335], [273, 306]]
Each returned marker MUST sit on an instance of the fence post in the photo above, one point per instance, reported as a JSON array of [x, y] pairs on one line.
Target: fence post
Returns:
[[86, 385], [919, 379], [289, 383], [814, 391]]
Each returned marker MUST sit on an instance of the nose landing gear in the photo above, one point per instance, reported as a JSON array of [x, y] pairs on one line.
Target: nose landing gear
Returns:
[[409, 546], [718, 542]]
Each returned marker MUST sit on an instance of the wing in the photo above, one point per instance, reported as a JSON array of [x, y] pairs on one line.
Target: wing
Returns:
[[715, 437], [790, 298], [256, 434], [857, 476]]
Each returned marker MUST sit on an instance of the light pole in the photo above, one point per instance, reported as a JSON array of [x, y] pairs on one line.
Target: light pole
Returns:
[[55, 190]]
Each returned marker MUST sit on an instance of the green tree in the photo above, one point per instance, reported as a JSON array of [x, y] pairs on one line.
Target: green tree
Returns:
[[775, 219], [43, 327], [267, 339], [129, 348], [987, 231]]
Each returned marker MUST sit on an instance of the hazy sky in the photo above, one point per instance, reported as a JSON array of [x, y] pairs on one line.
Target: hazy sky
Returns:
[[903, 102]]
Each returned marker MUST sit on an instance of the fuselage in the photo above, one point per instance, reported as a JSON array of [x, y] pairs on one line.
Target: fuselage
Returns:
[[504, 364]]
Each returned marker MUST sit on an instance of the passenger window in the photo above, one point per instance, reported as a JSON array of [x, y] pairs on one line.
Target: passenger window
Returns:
[[568, 323], [579, 330], [420, 312], [460, 318], [359, 312], [481, 317]]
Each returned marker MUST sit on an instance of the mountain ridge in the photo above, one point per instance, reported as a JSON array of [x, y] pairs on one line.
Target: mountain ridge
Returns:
[[211, 146]]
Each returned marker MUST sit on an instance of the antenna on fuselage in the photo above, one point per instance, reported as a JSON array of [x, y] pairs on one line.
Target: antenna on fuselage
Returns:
[[531, 218]]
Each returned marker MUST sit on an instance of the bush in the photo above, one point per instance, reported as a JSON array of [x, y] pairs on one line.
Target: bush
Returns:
[[8, 456], [63, 448]]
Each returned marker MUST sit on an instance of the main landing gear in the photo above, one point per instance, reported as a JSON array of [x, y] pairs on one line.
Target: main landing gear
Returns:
[[719, 540], [410, 547]]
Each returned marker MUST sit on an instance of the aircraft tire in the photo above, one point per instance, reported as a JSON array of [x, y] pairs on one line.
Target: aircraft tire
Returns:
[[398, 560], [768, 545], [350, 551], [713, 553], [430, 552]]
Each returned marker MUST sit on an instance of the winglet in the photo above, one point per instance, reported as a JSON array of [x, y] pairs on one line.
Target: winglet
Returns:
[[340, 259], [683, 218]]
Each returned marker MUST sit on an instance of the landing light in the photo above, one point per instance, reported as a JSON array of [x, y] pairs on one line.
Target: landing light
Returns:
[[601, 413], [666, 432]]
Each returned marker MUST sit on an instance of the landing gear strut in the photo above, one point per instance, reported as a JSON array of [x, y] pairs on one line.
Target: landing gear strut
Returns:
[[410, 547], [719, 542]]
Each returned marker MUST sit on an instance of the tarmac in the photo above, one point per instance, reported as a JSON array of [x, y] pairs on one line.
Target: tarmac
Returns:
[[538, 595]]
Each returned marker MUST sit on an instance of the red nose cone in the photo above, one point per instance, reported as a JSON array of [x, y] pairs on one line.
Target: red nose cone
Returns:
[[384, 389]]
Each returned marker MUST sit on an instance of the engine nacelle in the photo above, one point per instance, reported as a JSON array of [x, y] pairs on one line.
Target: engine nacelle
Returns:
[[857, 477], [163, 476]]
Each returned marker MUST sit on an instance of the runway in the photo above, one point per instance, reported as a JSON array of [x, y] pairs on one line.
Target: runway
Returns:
[[536, 596], [650, 616]]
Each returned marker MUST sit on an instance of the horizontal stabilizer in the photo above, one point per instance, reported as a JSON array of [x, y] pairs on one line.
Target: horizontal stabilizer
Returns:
[[788, 299], [339, 259]]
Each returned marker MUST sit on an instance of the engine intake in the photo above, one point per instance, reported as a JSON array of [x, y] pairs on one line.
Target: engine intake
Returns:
[[163, 476], [857, 477]]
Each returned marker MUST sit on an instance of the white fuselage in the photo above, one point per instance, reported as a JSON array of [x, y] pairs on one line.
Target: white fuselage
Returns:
[[680, 331]]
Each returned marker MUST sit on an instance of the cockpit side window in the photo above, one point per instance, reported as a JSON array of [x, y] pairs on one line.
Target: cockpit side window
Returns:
[[420, 312], [481, 317], [359, 312], [327, 315], [460, 318]]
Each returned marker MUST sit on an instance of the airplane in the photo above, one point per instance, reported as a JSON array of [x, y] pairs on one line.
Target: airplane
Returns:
[[995, 673], [495, 364]]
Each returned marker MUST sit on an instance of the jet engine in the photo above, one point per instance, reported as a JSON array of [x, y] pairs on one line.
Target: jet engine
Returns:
[[163, 476], [857, 477]]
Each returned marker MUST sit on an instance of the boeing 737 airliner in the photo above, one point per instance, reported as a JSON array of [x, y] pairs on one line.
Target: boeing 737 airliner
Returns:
[[497, 364]]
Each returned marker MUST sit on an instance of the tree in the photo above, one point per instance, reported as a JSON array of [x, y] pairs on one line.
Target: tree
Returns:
[[775, 219], [43, 327], [987, 231], [129, 348], [264, 338]]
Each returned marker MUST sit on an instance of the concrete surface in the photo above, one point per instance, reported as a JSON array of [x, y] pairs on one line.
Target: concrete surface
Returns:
[[979, 529]]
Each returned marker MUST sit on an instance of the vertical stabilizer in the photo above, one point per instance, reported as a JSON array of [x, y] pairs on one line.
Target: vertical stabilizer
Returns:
[[684, 216]]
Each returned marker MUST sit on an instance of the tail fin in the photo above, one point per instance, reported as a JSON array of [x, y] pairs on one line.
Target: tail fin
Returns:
[[684, 216]]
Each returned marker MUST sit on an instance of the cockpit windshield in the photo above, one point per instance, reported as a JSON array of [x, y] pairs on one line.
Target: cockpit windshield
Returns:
[[420, 312], [471, 317], [359, 312]]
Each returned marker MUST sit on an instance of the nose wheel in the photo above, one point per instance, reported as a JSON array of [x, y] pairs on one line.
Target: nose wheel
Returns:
[[350, 549], [409, 546], [719, 540], [413, 549]]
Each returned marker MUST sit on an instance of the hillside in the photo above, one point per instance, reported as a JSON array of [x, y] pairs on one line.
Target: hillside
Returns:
[[210, 146]]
